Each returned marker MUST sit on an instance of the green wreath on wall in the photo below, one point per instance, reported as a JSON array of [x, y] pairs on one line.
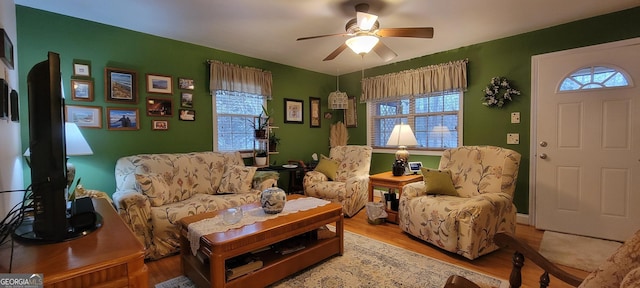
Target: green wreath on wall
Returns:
[[498, 92]]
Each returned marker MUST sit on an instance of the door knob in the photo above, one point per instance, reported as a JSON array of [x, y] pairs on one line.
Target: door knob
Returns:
[[543, 143], [543, 156]]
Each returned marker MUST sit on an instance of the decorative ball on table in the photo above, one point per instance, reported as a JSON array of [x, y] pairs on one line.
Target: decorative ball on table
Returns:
[[273, 200], [498, 92]]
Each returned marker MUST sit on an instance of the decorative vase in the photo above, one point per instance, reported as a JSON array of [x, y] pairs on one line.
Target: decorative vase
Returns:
[[272, 200]]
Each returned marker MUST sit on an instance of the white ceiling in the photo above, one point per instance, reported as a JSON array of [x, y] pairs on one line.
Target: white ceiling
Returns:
[[268, 29]]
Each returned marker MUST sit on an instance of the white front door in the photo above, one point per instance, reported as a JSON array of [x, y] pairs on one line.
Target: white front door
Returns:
[[586, 154]]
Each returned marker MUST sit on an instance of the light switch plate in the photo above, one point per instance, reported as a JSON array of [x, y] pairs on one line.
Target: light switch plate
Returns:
[[515, 117], [513, 138]]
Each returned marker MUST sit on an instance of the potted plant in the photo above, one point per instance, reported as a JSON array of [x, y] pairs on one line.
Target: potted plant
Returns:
[[260, 124], [260, 157], [273, 142]]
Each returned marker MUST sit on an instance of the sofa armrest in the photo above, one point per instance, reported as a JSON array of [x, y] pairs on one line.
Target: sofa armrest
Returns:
[[357, 184], [314, 177], [265, 179], [413, 190], [135, 210]]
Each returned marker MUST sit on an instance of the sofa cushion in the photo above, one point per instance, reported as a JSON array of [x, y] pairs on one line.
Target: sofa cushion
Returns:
[[438, 182], [328, 167], [153, 186], [237, 179]]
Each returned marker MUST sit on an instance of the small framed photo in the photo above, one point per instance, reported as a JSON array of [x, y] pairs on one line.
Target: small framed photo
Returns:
[[293, 112], [123, 118], [351, 113], [15, 111], [159, 125], [81, 90], [187, 115], [120, 85], [159, 84], [186, 100], [6, 49], [185, 83], [4, 99], [314, 114], [84, 116], [157, 106], [81, 70]]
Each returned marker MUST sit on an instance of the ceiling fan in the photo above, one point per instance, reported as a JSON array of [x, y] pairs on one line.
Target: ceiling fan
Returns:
[[365, 33]]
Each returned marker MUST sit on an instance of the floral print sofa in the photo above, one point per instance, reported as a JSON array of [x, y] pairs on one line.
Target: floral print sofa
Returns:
[[350, 184], [484, 179], [153, 191]]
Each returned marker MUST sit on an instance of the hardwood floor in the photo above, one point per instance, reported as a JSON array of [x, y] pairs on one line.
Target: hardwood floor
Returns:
[[497, 263]]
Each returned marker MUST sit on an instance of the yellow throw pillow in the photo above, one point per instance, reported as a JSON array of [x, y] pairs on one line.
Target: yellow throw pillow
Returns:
[[438, 182], [327, 166]]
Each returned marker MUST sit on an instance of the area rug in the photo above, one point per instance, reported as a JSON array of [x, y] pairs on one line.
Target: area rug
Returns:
[[580, 252], [370, 263]]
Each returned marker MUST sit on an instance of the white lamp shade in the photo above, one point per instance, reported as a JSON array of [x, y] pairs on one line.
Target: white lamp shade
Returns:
[[362, 44], [402, 135], [75, 143]]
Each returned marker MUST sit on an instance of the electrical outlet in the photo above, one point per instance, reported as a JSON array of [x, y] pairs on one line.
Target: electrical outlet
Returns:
[[513, 138], [515, 117]]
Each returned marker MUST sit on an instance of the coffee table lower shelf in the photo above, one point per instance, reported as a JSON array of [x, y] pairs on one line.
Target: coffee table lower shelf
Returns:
[[275, 266]]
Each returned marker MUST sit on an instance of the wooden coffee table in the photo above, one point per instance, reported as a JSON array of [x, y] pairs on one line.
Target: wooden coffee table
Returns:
[[219, 247]]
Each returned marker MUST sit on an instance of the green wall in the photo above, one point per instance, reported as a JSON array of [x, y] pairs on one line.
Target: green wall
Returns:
[[107, 46], [509, 57], [114, 47]]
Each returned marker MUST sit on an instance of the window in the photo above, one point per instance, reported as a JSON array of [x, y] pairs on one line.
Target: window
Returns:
[[234, 115], [595, 77], [435, 119]]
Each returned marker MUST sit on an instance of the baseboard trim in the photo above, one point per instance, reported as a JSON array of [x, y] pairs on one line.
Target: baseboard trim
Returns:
[[522, 219]]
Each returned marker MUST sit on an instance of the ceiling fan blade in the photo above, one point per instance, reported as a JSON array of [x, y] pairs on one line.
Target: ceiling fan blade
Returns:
[[320, 36], [366, 20], [336, 52], [384, 51], [416, 32]]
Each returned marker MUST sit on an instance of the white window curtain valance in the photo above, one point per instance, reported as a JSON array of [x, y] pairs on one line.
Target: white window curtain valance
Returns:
[[231, 77], [429, 79]]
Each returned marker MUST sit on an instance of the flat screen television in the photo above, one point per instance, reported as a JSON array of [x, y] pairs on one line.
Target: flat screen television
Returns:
[[48, 219]]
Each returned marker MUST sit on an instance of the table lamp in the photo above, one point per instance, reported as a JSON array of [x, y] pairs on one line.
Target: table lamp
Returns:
[[402, 136], [75, 145]]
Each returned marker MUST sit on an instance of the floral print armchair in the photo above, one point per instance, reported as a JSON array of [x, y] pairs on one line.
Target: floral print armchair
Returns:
[[484, 178], [351, 183]]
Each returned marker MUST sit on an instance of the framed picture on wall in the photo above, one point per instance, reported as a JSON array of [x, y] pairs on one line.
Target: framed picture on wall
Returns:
[[351, 114], [186, 100], [159, 125], [158, 106], [6, 49], [120, 85], [159, 84], [185, 83], [84, 116], [123, 118], [81, 70], [293, 112], [314, 112], [187, 115], [81, 90]]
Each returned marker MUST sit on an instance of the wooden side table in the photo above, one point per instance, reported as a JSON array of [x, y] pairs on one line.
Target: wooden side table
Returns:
[[387, 180]]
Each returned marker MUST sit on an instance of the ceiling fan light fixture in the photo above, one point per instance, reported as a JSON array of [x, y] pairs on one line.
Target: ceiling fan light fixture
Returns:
[[362, 44], [366, 20]]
